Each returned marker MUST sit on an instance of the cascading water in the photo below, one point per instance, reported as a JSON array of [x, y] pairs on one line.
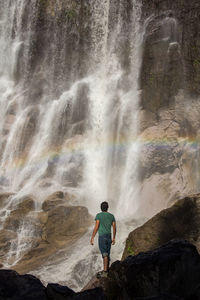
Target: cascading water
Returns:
[[67, 130]]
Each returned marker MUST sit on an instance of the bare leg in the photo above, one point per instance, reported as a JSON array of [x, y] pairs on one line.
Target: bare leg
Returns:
[[105, 263]]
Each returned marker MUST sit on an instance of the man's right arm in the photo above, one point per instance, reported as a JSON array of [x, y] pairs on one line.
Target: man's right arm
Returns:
[[114, 232]]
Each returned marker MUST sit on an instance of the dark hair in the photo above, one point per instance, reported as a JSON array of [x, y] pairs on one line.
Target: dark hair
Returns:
[[104, 206]]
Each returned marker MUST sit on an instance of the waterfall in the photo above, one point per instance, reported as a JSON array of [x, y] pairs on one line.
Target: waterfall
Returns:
[[69, 107]]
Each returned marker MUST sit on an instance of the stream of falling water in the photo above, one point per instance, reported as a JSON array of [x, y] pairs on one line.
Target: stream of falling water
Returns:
[[36, 152]]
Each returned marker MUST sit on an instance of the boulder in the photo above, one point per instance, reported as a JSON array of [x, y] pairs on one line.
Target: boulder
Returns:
[[182, 220], [27, 287], [66, 221], [17, 287], [16, 216], [171, 271], [59, 227], [53, 200], [59, 292]]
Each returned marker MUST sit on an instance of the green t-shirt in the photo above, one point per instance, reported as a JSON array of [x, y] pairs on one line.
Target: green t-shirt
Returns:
[[105, 224]]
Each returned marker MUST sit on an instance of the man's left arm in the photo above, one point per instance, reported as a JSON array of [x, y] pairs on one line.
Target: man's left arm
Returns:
[[96, 227], [114, 232]]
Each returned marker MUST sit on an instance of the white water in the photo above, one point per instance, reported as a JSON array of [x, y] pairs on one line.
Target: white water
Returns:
[[39, 149]]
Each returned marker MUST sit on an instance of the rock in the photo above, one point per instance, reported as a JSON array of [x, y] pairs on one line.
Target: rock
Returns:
[[17, 215], [26, 204], [4, 197], [94, 283], [26, 131], [92, 294], [9, 120], [27, 287], [6, 237], [60, 227], [160, 297], [56, 195], [53, 200], [182, 220], [66, 221], [43, 217], [162, 73], [185, 30], [58, 292], [17, 287], [169, 115], [173, 269]]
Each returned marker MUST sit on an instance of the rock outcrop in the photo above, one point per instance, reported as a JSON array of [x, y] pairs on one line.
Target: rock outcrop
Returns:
[[182, 221], [27, 287], [169, 272]]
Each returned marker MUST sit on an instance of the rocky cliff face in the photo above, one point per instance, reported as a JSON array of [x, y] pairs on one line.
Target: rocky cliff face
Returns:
[[169, 117]]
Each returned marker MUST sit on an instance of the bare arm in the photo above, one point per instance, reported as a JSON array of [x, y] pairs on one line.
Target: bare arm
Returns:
[[94, 232], [114, 232]]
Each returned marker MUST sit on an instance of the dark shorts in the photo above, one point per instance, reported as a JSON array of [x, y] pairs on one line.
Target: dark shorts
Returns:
[[105, 244]]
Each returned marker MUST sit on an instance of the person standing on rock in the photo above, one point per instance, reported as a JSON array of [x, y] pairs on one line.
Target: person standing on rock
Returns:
[[104, 222]]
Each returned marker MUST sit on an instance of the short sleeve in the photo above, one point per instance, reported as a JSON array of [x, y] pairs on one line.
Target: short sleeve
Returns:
[[97, 217], [113, 219]]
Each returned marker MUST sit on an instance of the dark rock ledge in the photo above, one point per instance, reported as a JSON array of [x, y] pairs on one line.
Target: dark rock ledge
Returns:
[[171, 271]]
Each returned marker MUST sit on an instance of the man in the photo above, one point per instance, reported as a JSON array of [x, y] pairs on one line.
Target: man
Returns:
[[104, 221]]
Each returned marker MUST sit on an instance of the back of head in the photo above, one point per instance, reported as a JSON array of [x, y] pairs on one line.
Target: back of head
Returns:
[[104, 206]]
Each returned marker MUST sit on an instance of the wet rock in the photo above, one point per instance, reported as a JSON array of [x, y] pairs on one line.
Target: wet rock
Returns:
[[187, 31], [59, 228], [9, 120], [162, 73], [182, 220], [4, 197], [169, 116], [26, 204], [26, 131], [53, 200], [173, 270], [6, 238], [16, 216], [80, 107], [66, 221]]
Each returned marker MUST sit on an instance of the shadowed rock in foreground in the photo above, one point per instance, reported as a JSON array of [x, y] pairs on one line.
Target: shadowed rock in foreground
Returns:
[[27, 287], [169, 272]]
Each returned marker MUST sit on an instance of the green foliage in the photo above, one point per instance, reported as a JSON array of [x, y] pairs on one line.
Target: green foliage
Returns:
[[196, 62], [152, 77], [130, 248]]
